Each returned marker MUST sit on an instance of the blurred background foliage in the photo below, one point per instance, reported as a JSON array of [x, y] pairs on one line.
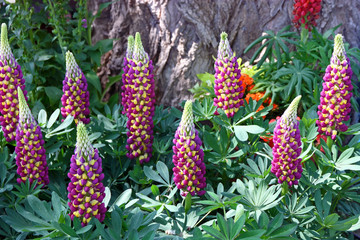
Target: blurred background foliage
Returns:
[[40, 32]]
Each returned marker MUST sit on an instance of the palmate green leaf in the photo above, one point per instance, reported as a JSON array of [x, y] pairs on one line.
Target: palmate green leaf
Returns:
[[257, 41], [258, 168], [267, 53], [42, 117], [224, 227], [275, 223], [298, 73], [241, 132], [151, 174], [331, 219], [205, 77], [31, 217], [278, 54], [344, 162], [155, 190], [163, 171], [236, 154], [54, 94], [15, 220], [274, 44], [40, 208], [116, 223], [239, 213], [263, 220], [54, 116], [323, 204], [252, 234], [258, 198], [67, 122], [210, 208], [214, 196], [107, 197], [235, 230], [84, 229], [68, 230], [297, 208], [284, 231], [213, 232], [211, 141]]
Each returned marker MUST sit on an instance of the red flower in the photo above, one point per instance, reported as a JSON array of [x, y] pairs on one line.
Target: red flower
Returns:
[[306, 12], [269, 137], [318, 141]]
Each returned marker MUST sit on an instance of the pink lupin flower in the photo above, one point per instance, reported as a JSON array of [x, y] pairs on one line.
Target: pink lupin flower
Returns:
[[75, 99], [188, 158], [11, 78], [286, 164], [86, 191], [228, 86], [30, 152], [139, 101], [335, 105]]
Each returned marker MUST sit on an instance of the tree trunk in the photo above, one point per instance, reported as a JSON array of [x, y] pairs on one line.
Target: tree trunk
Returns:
[[181, 36]]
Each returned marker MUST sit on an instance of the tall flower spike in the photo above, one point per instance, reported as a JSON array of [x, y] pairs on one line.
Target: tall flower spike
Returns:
[[86, 191], [306, 12], [335, 105], [188, 158], [30, 152], [286, 164], [11, 78], [75, 99], [228, 86], [128, 72], [139, 101]]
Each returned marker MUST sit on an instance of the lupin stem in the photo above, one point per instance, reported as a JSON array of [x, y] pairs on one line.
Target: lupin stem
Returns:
[[329, 142], [284, 191]]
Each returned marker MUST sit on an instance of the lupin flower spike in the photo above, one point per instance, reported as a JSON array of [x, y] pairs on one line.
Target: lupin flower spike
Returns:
[[228, 86], [188, 158], [286, 164], [140, 103], [335, 105], [306, 12], [86, 191], [75, 99], [11, 78], [30, 152], [128, 72]]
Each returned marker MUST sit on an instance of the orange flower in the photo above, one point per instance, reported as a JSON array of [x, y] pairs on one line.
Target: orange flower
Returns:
[[257, 96], [247, 82]]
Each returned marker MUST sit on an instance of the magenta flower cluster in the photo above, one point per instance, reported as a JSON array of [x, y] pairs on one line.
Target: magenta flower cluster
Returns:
[[286, 164], [228, 89], [188, 158], [86, 191], [11, 78], [138, 99], [30, 152], [335, 105], [75, 99]]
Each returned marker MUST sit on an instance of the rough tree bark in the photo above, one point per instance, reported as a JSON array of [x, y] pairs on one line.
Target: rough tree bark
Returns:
[[181, 36]]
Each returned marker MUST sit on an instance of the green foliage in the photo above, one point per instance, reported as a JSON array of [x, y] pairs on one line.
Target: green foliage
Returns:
[[40, 33], [274, 46], [292, 65]]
